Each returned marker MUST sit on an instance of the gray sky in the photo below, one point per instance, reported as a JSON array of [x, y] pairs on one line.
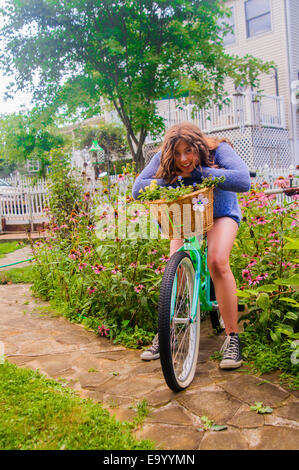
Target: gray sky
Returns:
[[19, 99]]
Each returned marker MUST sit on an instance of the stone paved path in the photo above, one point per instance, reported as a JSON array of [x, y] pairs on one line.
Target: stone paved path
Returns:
[[34, 337]]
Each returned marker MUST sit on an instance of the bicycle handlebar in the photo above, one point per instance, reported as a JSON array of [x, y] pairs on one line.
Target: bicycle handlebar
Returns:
[[290, 191]]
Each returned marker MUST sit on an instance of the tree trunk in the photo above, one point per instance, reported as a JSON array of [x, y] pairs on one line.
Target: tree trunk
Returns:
[[137, 153], [135, 144]]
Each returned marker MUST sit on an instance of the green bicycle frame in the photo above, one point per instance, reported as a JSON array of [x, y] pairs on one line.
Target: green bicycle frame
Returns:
[[201, 289]]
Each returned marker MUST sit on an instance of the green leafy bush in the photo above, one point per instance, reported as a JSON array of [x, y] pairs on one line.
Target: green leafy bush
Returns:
[[265, 265], [110, 284]]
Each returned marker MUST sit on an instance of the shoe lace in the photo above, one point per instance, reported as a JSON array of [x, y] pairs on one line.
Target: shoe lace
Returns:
[[230, 347], [155, 344]]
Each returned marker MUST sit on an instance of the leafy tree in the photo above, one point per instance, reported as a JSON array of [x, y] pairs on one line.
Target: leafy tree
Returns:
[[74, 54], [110, 136], [25, 136], [6, 168]]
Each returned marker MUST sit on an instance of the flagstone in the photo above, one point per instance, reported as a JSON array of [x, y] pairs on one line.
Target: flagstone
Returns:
[[160, 397], [170, 436], [246, 418], [170, 414], [92, 380], [250, 389], [276, 437], [212, 402], [223, 440], [126, 386], [289, 411]]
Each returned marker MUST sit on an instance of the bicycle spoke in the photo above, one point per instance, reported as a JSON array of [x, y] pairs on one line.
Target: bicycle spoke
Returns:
[[181, 327], [178, 330]]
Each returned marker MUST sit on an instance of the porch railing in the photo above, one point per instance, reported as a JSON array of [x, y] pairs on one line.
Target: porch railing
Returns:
[[241, 109]]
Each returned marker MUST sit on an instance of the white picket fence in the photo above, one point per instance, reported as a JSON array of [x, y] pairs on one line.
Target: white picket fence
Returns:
[[23, 205], [23, 182]]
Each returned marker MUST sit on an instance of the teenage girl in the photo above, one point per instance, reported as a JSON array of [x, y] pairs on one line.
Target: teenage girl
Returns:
[[188, 153]]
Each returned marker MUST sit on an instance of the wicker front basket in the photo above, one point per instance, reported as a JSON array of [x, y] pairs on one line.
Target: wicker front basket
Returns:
[[179, 220]]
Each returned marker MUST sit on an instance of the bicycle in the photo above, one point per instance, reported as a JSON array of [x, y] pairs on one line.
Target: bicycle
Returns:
[[186, 289]]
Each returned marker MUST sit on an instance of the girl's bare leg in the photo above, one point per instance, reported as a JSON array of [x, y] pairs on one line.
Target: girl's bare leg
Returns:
[[220, 242], [175, 245]]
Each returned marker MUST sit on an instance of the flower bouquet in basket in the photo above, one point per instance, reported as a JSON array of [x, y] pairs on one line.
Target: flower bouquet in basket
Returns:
[[184, 211]]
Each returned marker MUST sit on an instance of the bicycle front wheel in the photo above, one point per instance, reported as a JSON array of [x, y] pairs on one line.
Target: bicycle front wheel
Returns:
[[178, 332]]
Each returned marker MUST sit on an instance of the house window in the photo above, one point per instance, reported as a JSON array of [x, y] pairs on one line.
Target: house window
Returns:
[[229, 37], [258, 16], [32, 166]]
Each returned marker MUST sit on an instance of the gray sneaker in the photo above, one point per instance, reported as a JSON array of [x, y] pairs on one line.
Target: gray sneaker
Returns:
[[232, 352], [152, 352]]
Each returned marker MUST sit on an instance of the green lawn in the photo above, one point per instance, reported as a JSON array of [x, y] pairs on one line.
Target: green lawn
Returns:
[[39, 414], [8, 247], [17, 275]]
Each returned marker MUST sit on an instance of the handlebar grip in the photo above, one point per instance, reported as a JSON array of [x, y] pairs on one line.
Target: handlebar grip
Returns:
[[288, 191], [273, 191]]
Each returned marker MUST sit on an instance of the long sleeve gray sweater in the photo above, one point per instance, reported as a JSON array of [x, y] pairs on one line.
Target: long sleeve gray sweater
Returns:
[[237, 179]]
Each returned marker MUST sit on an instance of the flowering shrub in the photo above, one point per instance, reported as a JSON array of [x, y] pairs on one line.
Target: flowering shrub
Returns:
[[265, 265], [110, 284]]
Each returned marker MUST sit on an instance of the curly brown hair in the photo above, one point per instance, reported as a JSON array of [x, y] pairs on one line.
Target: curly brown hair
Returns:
[[190, 133]]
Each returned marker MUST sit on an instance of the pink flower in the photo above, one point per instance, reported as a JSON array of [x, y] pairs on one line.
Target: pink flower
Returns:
[[164, 258], [160, 270], [98, 268], [153, 252], [150, 265], [260, 277], [252, 263], [103, 330], [282, 182], [82, 266], [246, 274], [115, 270], [138, 288], [91, 290], [134, 264], [261, 221]]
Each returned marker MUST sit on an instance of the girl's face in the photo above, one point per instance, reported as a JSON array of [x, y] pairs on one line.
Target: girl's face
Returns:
[[185, 157]]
